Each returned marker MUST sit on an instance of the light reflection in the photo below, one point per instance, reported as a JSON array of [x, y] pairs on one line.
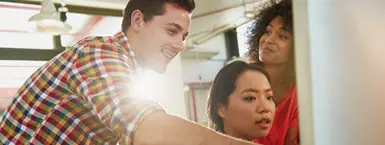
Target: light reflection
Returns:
[[148, 86]]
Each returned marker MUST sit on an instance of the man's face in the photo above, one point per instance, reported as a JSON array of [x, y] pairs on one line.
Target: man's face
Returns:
[[162, 38]]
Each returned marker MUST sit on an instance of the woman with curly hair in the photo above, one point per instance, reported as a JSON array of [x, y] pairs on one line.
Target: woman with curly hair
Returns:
[[271, 45]]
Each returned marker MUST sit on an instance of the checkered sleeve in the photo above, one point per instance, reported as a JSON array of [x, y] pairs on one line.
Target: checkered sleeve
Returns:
[[102, 76]]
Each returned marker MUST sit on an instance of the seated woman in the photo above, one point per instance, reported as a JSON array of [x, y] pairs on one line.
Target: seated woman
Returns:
[[240, 102]]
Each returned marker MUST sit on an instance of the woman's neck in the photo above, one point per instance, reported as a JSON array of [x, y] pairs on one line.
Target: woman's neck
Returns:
[[281, 76]]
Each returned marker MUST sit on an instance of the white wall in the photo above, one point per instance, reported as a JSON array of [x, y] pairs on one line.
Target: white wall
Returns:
[[200, 70], [215, 44], [344, 58], [173, 97], [200, 96], [201, 102]]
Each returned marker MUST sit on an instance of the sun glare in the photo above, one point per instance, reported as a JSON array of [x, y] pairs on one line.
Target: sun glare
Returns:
[[148, 86]]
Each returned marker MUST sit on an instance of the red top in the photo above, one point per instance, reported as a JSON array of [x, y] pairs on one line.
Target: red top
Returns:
[[286, 116]]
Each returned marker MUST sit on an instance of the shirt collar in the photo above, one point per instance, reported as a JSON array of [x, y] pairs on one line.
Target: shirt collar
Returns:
[[123, 41]]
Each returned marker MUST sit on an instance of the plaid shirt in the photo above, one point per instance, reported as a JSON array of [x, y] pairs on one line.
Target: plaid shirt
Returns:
[[81, 96]]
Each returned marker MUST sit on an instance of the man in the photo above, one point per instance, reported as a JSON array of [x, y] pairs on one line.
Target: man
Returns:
[[82, 95]]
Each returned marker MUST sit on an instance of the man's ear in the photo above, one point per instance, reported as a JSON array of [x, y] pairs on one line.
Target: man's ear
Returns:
[[222, 111], [137, 20]]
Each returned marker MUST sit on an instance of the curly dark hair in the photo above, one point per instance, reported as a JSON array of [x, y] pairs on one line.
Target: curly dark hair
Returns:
[[223, 86], [264, 14]]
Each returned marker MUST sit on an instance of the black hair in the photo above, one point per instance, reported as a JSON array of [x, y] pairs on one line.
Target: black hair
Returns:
[[224, 84]]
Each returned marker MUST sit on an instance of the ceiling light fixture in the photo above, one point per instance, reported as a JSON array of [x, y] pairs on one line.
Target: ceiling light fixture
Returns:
[[48, 20]]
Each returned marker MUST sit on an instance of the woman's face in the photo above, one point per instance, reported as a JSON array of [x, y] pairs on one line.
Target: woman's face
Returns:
[[275, 45], [250, 111]]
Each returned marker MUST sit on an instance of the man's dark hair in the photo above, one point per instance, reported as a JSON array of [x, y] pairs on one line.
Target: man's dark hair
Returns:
[[224, 84], [264, 14], [151, 8]]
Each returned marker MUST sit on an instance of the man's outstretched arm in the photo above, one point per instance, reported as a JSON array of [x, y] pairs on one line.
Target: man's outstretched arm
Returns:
[[160, 128]]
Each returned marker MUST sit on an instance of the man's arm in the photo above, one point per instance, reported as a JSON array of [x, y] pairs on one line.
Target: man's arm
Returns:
[[159, 128]]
